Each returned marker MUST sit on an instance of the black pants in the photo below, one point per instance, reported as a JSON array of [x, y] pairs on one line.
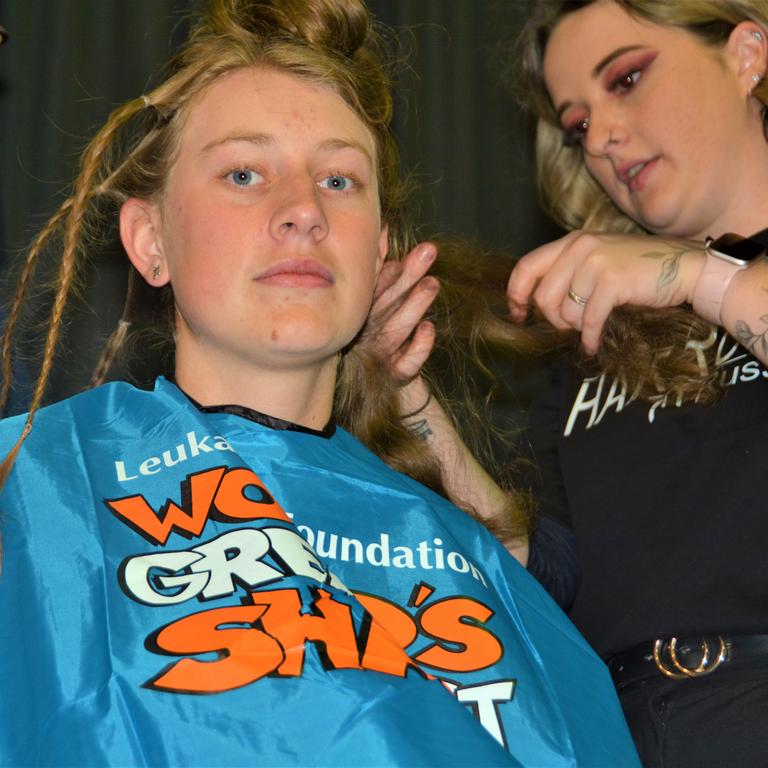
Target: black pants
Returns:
[[716, 721]]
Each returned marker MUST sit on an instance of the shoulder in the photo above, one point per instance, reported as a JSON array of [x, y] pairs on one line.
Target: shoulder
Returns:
[[379, 471], [102, 408]]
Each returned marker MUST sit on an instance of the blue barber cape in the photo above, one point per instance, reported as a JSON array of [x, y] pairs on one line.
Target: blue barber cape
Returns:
[[183, 587]]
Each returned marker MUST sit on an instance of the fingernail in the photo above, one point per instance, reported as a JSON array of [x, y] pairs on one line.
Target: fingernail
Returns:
[[427, 255]]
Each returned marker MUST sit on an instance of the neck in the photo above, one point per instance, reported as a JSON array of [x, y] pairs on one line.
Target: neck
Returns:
[[746, 211], [302, 395]]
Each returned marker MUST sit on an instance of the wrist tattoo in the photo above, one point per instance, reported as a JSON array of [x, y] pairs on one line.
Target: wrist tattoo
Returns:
[[670, 267], [756, 343], [421, 429]]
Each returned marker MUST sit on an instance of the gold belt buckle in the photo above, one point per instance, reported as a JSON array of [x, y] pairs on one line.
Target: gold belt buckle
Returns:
[[668, 649]]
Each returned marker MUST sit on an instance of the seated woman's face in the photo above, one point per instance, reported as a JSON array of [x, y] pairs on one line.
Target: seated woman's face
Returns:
[[270, 224]]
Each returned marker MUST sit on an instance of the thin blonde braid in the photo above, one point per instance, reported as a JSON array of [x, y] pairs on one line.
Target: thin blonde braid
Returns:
[[114, 343], [25, 279], [73, 211]]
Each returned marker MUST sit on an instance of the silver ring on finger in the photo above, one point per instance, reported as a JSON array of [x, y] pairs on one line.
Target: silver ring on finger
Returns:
[[573, 296]]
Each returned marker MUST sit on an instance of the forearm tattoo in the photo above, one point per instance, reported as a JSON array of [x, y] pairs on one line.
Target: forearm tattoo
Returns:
[[755, 342], [421, 429], [670, 267]]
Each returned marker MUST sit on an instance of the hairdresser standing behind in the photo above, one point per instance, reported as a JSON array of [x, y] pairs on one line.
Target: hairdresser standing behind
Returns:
[[652, 117]]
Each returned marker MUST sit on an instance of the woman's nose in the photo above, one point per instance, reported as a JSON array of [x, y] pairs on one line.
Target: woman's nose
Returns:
[[300, 211], [604, 133]]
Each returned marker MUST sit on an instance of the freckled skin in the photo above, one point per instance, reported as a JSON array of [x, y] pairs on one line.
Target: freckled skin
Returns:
[[218, 237]]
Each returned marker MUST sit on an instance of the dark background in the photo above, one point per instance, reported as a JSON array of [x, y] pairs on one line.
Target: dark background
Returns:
[[69, 62]]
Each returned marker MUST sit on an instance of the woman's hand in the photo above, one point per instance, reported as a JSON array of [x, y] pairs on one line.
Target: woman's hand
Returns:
[[399, 337], [576, 281], [404, 292]]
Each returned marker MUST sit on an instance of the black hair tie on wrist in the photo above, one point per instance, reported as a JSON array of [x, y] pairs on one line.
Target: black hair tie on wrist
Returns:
[[418, 410]]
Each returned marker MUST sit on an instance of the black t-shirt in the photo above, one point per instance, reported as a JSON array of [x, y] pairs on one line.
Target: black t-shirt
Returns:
[[668, 503]]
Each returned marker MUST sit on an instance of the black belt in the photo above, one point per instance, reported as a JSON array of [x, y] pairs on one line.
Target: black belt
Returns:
[[683, 658]]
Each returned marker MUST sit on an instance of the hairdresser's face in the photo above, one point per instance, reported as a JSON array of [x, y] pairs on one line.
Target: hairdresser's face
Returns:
[[664, 122], [271, 227]]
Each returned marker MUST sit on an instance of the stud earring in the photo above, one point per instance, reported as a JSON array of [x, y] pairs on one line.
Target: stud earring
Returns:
[[155, 271], [757, 35]]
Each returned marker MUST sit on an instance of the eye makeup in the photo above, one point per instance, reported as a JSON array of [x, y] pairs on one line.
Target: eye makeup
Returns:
[[625, 72], [619, 73]]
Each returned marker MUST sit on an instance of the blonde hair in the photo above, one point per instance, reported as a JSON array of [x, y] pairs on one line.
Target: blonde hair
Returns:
[[640, 345], [332, 42]]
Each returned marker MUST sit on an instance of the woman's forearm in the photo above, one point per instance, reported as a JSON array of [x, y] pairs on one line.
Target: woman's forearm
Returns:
[[467, 483], [744, 311]]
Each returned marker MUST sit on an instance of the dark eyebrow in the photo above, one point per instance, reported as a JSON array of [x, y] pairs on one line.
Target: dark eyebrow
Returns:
[[600, 66]]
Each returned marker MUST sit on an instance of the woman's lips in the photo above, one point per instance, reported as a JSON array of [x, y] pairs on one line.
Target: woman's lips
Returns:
[[635, 175], [297, 273]]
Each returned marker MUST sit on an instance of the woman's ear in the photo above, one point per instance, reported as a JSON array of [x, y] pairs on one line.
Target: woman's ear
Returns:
[[141, 236], [747, 48]]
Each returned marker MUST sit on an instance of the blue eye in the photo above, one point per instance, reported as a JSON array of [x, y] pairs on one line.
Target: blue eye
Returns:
[[337, 182], [244, 177]]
